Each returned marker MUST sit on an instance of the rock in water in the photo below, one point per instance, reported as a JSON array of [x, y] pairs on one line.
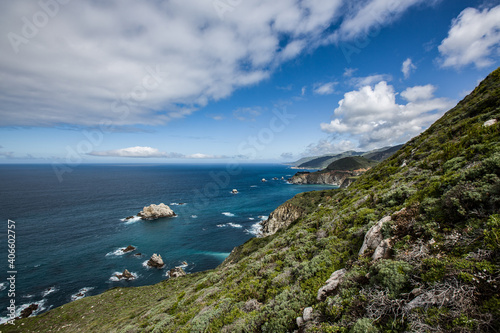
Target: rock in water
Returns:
[[177, 272], [125, 275], [156, 261], [28, 311], [129, 248], [154, 212]]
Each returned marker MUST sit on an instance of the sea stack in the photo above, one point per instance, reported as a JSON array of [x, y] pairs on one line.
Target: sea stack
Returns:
[[156, 261], [125, 275], [154, 212]]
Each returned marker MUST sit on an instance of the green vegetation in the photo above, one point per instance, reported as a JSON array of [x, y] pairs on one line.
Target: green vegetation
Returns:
[[351, 163], [443, 275]]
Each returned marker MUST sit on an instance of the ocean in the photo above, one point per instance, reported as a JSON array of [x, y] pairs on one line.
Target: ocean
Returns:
[[69, 233]]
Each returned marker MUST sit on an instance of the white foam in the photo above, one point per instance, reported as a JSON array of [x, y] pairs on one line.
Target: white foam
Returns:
[[118, 252], [115, 278], [228, 214], [251, 218], [19, 309], [132, 220], [255, 229], [28, 296], [178, 204], [254, 186], [263, 217], [194, 216], [232, 225], [49, 291], [81, 293], [3, 286]]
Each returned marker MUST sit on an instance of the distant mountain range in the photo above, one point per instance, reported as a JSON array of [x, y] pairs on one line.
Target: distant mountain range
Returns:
[[321, 162]]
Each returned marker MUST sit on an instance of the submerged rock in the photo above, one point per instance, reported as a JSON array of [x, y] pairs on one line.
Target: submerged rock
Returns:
[[129, 248], [154, 212], [156, 261], [177, 272]]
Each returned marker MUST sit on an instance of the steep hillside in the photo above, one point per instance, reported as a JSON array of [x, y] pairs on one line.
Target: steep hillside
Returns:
[[382, 154], [323, 161], [351, 163], [426, 221]]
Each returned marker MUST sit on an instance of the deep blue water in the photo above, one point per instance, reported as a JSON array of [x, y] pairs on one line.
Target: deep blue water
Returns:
[[67, 232]]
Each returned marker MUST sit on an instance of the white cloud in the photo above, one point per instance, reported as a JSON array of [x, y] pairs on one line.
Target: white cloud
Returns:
[[92, 62], [247, 114], [349, 72], [287, 156], [369, 80], [149, 152], [365, 15], [325, 88], [372, 117], [131, 62], [303, 91], [408, 67], [474, 38], [328, 146]]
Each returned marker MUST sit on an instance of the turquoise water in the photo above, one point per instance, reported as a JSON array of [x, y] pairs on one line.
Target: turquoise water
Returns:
[[69, 234]]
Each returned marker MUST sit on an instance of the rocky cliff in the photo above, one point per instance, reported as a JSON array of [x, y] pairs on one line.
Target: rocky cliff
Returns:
[[281, 217], [341, 179]]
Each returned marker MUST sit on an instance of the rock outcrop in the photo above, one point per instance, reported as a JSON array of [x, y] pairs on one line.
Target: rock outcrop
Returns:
[[338, 178], [25, 313], [154, 212], [331, 284], [156, 261], [125, 275], [176, 272], [280, 218], [129, 248], [374, 240]]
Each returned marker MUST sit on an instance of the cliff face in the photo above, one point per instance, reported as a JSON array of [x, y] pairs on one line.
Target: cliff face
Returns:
[[281, 217], [341, 179]]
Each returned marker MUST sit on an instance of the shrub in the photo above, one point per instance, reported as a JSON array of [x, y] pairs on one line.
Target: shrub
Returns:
[[392, 275], [492, 232], [364, 325]]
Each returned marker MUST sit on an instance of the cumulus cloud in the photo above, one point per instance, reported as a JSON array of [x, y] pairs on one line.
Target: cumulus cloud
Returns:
[[474, 38], [372, 117], [408, 67], [149, 152], [369, 80], [325, 88]]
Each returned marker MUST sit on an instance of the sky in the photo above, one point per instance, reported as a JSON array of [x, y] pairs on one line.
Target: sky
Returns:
[[209, 81]]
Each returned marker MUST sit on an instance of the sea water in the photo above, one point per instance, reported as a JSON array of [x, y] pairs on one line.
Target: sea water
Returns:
[[70, 231]]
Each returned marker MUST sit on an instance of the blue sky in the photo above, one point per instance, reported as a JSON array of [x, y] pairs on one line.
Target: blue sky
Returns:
[[216, 81]]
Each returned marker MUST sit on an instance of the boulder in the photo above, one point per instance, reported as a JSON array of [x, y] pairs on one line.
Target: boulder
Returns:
[[154, 212], [307, 315], [490, 122], [331, 284], [156, 261], [129, 248], [300, 322], [374, 237], [125, 275], [176, 272], [383, 250]]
